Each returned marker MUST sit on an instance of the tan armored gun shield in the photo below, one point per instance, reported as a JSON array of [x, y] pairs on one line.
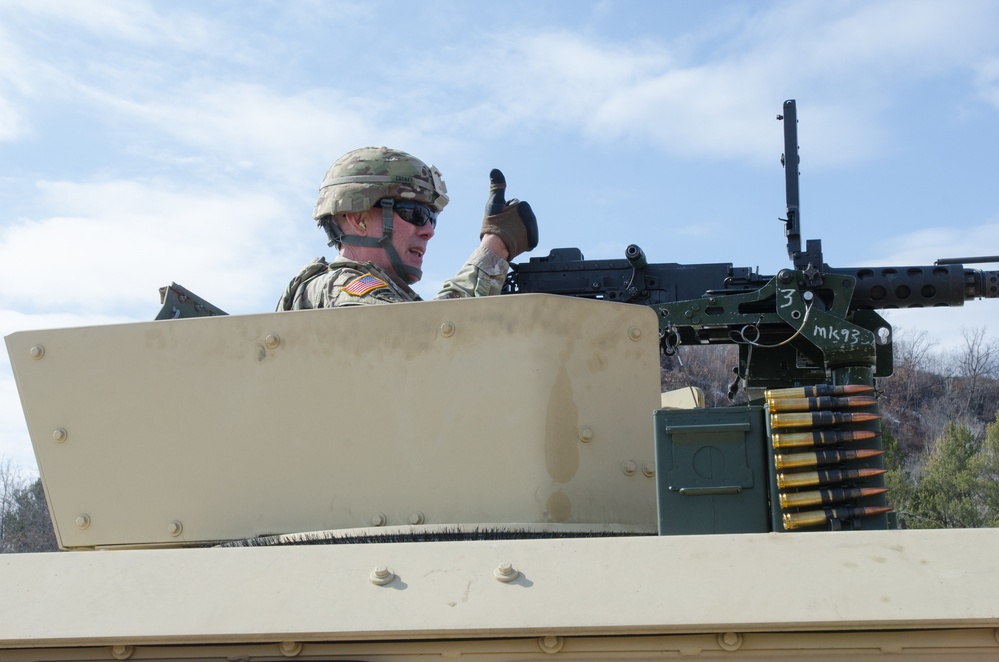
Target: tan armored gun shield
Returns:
[[515, 413]]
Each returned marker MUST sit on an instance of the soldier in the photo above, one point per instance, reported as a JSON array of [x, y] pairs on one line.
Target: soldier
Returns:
[[379, 209]]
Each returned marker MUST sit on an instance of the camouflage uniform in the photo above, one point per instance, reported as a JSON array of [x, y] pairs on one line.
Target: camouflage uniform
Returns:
[[347, 283]]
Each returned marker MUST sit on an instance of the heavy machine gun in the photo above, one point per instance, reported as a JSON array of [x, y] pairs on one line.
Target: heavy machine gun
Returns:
[[801, 326]]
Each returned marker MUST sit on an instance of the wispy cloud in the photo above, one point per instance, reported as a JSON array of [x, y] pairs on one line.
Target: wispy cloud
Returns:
[[117, 242], [703, 94], [133, 21], [241, 129], [838, 56]]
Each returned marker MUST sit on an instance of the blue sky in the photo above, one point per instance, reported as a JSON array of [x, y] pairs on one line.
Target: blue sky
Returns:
[[149, 142]]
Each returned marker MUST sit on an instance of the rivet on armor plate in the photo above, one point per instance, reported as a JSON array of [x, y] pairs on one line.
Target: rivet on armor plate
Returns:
[[447, 329], [378, 519], [416, 518], [175, 528], [551, 644], [381, 576], [59, 435], [649, 469], [629, 468], [730, 641], [505, 572], [122, 651], [585, 433], [82, 521], [37, 352], [635, 333], [291, 648], [272, 340]]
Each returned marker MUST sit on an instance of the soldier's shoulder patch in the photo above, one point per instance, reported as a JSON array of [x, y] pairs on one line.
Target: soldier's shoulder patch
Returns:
[[363, 284]]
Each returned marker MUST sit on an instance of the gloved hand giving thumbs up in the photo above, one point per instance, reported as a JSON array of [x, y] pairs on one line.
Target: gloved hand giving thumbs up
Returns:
[[514, 222]]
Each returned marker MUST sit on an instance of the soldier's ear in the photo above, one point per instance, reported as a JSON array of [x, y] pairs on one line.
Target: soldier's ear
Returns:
[[354, 223]]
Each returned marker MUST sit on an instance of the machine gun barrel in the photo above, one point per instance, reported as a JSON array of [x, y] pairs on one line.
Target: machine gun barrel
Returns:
[[919, 286], [635, 280]]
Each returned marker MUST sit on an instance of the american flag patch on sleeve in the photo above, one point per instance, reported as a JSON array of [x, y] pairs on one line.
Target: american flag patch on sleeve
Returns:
[[363, 284]]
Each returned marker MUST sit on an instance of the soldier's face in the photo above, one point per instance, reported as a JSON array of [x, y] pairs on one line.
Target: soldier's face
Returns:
[[409, 240]]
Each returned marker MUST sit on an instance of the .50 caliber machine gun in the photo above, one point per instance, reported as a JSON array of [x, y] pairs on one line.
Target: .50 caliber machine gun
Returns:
[[797, 327]]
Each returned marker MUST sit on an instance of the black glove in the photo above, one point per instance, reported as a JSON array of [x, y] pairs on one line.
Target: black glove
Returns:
[[514, 222]]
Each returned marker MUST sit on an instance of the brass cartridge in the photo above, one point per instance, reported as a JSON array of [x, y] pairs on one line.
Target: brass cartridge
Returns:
[[827, 496], [822, 403], [819, 517], [817, 390], [818, 438], [818, 419], [824, 477], [822, 458]]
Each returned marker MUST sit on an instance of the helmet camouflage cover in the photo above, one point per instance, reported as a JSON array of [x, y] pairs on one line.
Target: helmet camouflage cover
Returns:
[[362, 177]]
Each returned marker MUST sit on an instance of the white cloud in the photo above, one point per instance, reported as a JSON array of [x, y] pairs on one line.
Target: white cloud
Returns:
[[109, 246], [44, 53], [704, 94], [233, 127], [131, 20], [11, 122], [864, 41], [15, 82], [708, 98]]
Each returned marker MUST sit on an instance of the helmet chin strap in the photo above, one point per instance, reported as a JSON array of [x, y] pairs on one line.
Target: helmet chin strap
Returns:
[[405, 273]]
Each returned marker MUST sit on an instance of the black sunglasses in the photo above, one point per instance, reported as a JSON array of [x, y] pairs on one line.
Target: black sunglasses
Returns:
[[412, 212]]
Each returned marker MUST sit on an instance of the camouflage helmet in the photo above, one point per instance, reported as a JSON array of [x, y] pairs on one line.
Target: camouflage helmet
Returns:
[[362, 177]]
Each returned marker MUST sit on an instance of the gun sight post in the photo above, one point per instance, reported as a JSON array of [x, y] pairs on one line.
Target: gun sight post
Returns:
[[810, 261], [789, 159]]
